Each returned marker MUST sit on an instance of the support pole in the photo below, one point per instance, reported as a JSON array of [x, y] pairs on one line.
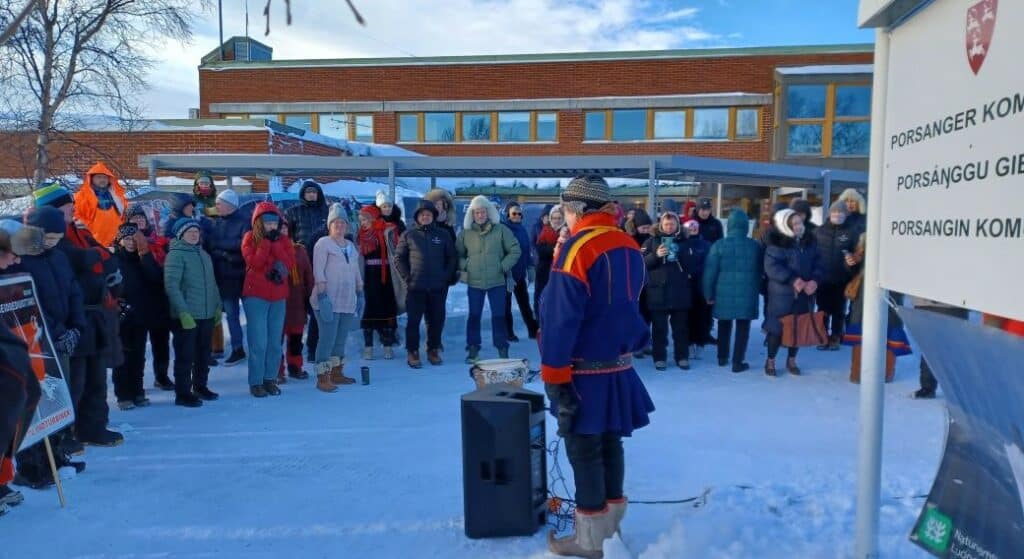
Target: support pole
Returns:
[[719, 202], [229, 181], [391, 181], [220, 18], [152, 173], [53, 470], [872, 378], [826, 192], [652, 187]]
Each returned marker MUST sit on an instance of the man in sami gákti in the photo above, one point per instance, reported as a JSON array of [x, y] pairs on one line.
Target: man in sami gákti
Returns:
[[591, 326]]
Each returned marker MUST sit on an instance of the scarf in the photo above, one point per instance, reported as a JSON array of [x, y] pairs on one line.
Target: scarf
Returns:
[[371, 239], [548, 236]]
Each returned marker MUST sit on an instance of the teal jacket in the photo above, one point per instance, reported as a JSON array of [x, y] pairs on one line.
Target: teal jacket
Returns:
[[189, 281], [732, 273]]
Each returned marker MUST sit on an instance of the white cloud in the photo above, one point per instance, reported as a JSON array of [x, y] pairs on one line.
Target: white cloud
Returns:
[[427, 28]]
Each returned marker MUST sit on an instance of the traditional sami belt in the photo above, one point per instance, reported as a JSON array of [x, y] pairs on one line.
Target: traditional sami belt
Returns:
[[375, 262], [584, 367]]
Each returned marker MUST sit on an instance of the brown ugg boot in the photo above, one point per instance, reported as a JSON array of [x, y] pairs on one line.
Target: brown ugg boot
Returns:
[[337, 374], [588, 541], [617, 509], [434, 356], [413, 359], [323, 378]]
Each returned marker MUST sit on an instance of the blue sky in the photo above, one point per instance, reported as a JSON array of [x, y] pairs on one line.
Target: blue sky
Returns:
[[451, 27]]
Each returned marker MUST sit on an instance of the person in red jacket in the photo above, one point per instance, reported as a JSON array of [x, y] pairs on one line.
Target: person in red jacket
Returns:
[[269, 257], [300, 287]]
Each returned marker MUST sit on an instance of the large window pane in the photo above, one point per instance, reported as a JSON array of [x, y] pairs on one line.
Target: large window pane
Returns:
[[805, 101], [629, 125], [334, 125], [746, 123], [711, 123], [364, 128], [408, 128], [669, 124], [439, 127], [303, 121], [547, 127], [262, 116], [853, 100], [851, 138], [804, 139], [594, 126], [476, 127], [512, 127]]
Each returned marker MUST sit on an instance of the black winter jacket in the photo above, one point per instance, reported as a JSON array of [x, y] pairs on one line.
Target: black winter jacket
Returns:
[[832, 241], [425, 258], [60, 296], [711, 229], [224, 243], [669, 284], [143, 291], [307, 221], [396, 219]]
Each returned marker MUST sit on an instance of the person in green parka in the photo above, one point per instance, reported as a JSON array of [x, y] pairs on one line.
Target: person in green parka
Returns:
[[732, 282]]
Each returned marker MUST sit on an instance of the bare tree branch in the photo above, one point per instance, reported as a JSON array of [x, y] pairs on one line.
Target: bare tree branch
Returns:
[[288, 11], [7, 32]]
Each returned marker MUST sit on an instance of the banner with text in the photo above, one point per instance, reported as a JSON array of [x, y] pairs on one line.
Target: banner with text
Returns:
[[20, 312], [953, 195]]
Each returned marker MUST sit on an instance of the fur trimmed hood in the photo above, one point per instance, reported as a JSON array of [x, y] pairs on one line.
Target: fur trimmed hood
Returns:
[[481, 202]]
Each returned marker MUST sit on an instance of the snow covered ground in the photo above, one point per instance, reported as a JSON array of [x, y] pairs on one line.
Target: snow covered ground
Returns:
[[375, 471]]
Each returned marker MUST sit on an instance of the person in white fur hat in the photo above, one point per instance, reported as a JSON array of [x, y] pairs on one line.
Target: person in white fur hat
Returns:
[[392, 214]]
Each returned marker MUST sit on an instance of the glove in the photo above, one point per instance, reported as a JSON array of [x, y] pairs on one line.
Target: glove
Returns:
[[273, 235], [125, 309], [217, 317], [187, 322], [564, 404], [68, 341], [531, 275], [141, 243]]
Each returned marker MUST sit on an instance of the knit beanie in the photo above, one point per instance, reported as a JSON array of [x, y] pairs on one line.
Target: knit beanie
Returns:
[[592, 190], [383, 198], [229, 197], [838, 206], [183, 224], [692, 224], [201, 175], [337, 211], [781, 220], [424, 205], [125, 230], [47, 218], [53, 195], [135, 210]]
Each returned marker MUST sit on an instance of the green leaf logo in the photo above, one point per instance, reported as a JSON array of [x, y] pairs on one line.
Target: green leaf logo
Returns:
[[935, 530]]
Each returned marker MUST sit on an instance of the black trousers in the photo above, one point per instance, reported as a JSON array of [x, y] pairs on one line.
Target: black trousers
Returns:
[[599, 468], [429, 305], [387, 336], [19, 395], [160, 342], [522, 293], [543, 275], [660, 321], [700, 321], [312, 337], [191, 356], [928, 380], [739, 351], [774, 343], [89, 395], [128, 377], [832, 301]]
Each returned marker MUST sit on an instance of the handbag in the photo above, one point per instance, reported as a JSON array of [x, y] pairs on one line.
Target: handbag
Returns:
[[853, 288], [397, 283], [804, 329]]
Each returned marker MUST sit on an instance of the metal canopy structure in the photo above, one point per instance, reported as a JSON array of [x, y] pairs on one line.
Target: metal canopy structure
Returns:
[[651, 167]]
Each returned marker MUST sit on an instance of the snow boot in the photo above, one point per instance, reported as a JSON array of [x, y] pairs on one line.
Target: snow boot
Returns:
[[791, 366], [281, 379], [512, 337], [683, 364], [258, 391], [389, 353], [236, 357], [125, 405], [323, 378], [834, 343], [723, 362], [434, 357], [368, 353], [588, 541], [472, 354], [163, 383], [296, 372], [660, 365], [769, 367], [740, 367], [271, 388], [338, 374], [141, 402], [106, 437], [10, 497], [188, 400], [205, 393], [617, 510], [413, 359]]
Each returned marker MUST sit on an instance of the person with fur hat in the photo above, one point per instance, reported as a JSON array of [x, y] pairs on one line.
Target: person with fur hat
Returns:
[[336, 299], [669, 290], [487, 253], [590, 328], [195, 306], [224, 244], [381, 310], [100, 203], [545, 244], [445, 206], [794, 271], [204, 191], [731, 283], [391, 213], [711, 229], [803, 207], [425, 259], [269, 256], [308, 221], [158, 325], [300, 287], [856, 208], [521, 275], [835, 240]]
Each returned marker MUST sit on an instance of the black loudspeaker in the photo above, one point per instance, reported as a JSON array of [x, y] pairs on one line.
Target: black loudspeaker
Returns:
[[504, 462]]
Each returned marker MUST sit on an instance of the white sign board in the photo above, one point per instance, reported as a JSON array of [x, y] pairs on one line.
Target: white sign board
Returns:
[[953, 188]]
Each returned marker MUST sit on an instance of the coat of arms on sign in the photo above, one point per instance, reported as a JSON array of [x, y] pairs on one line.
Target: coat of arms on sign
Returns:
[[981, 23]]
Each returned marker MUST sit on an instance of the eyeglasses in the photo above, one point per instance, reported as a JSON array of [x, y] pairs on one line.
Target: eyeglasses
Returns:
[[514, 214]]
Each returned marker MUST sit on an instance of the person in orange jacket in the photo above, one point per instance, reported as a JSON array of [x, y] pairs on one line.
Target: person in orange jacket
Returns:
[[100, 204]]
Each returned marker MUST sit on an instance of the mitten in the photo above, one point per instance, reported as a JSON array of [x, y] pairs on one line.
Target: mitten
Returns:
[[187, 322]]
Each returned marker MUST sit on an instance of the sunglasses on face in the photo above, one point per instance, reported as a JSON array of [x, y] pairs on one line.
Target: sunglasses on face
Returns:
[[514, 214]]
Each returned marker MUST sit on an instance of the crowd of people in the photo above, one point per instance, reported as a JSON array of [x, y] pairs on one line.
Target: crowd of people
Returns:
[[307, 277]]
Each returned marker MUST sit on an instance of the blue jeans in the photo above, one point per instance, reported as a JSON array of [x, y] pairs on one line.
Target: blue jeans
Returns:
[[334, 335], [496, 296], [265, 323], [233, 316]]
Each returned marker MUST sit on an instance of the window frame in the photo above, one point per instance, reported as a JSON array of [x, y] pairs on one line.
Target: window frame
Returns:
[[688, 132], [535, 126], [827, 122], [531, 129]]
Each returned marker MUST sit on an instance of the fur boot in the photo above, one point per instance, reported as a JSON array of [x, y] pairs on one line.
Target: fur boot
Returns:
[[323, 377], [588, 541], [337, 374]]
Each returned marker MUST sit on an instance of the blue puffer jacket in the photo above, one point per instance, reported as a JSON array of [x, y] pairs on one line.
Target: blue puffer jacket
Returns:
[[732, 273], [785, 260], [525, 259], [224, 243]]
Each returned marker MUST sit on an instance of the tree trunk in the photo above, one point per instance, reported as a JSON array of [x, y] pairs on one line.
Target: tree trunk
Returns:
[[42, 168]]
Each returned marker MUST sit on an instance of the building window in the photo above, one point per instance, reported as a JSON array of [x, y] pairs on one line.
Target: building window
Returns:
[[711, 124], [267, 116], [828, 120], [301, 120], [669, 125], [439, 127], [409, 128], [547, 127], [513, 127], [233, 117], [747, 121], [629, 124], [476, 127], [334, 125], [362, 128], [595, 126]]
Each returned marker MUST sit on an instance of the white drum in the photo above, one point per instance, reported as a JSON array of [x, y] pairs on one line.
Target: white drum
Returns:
[[494, 371]]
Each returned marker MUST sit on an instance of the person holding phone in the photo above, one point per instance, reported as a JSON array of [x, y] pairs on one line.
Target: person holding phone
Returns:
[[836, 242], [669, 292]]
